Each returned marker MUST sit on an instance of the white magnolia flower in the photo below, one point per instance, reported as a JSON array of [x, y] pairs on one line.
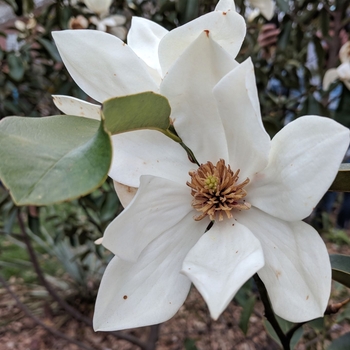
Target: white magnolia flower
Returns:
[[342, 72], [215, 111], [79, 22], [265, 7], [100, 7], [112, 24], [258, 190]]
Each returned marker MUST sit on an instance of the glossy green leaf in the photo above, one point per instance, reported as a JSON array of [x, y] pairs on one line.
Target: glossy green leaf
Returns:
[[341, 268], [146, 110], [52, 159], [341, 343], [341, 182]]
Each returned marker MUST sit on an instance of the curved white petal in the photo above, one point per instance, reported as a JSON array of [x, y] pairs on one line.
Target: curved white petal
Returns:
[[304, 160], [119, 19], [102, 65], [344, 53], [188, 87], [227, 28], [225, 5], [125, 193], [222, 260], [109, 21], [151, 290], [238, 105], [144, 37], [344, 71], [297, 271], [329, 77], [73, 106], [266, 7], [98, 6], [148, 152], [159, 206]]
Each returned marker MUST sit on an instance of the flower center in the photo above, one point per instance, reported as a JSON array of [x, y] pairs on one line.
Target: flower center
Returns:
[[215, 191]]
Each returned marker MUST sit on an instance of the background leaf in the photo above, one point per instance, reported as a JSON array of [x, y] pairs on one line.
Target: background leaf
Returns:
[[342, 180], [341, 268], [52, 159], [341, 343]]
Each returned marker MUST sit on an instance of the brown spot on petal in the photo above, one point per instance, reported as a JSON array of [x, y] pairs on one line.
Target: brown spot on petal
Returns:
[[206, 31], [224, 13], [307, 297], [125, 297], [278, 273]]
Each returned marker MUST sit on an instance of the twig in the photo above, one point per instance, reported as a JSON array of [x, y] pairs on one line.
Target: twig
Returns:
[[39, 322], [334, 308], [153, 337], [269, 314]]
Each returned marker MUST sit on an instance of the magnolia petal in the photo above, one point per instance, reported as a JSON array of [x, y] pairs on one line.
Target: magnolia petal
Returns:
[[73, 106], [222, 260], [125, 193], [151, 290], [101, 26], [159, 206], [98, 241], [144, 37], [119, 19], [188, 87], [330, 76], [297, 271], [266, 7], [225, 5], [98, 6], [148, 152], [119, 32], [304, 160], [344, 71], [344, 53], [238, 104], [226, 28], [117, 71]]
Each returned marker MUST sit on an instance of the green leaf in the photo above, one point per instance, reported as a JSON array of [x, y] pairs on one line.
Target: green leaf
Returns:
[[50, 48], [16, 66], [248, 308], [341, 268], [283, 5], [190, 344], [284, 37], [52, 159], [343, 111], [341, 343], [341, 182], [146, 110]]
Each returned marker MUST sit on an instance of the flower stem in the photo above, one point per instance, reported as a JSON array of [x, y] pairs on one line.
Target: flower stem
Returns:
[[270, 315]]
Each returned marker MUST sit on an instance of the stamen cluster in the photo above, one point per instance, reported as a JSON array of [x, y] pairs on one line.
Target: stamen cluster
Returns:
[[215, 191]]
